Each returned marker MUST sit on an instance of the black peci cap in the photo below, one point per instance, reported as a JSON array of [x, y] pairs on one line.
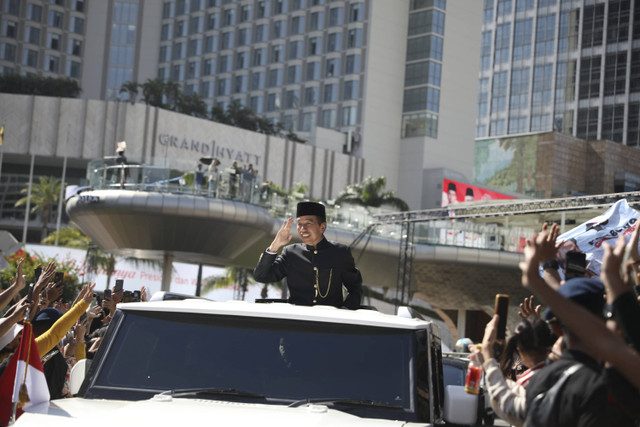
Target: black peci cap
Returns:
[[311, 208]]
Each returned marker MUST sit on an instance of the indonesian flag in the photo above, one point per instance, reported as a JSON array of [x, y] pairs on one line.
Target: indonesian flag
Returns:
[[23, 381]]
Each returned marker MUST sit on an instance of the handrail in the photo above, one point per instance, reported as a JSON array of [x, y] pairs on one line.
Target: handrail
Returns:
[[248, 188]]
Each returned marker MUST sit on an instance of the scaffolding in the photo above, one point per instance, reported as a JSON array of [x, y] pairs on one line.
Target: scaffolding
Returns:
[[407, 221]]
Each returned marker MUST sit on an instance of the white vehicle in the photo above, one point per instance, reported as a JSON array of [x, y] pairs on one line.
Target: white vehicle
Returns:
[[195, 362]]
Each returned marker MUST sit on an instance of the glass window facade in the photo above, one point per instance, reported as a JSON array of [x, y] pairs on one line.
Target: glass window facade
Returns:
[[423, 68], [572, 68], [122, 48]]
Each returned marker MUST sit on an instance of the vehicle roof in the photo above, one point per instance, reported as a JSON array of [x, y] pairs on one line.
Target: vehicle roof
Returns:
[[286, 311]]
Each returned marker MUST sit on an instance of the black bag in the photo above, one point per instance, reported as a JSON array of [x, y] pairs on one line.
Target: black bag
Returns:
[[543, 409]]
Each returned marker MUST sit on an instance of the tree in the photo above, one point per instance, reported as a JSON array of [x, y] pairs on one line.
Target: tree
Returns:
[[70, 268], [153, 92], [38, 85], [69, 237], [131, 89], [172, 94], [369, 193], [44, 198], [192, 104], [95, 257], [73, 237]]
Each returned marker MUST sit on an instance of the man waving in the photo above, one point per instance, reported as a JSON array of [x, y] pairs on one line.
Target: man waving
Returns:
[[316, 269]]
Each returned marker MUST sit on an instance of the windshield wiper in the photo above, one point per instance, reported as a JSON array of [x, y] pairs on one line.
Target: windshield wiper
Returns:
[[345, 402], [211, 391]]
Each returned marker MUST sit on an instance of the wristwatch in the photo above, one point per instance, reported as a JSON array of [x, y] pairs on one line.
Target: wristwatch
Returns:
[[553, 264]]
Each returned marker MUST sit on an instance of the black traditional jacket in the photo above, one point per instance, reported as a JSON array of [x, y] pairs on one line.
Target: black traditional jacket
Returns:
[[314, 275]]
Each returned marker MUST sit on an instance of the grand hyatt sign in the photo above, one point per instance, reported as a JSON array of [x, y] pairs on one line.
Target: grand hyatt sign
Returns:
[[208, 149]]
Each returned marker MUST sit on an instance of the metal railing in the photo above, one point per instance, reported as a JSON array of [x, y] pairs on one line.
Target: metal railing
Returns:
[[248, 188]]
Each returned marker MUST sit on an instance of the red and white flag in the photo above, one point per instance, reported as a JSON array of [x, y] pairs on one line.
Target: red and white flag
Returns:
[[23, 381]]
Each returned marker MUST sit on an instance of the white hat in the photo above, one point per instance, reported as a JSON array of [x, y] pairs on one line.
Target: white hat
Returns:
[[10, 335]]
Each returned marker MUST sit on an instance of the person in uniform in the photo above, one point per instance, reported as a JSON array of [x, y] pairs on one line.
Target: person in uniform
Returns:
[[316, 269]]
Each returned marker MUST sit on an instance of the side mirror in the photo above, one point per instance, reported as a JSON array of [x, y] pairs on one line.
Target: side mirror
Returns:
[[460, 407], [76, 377]]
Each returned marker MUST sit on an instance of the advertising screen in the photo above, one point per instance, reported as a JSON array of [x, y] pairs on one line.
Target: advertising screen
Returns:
[[456, 192]]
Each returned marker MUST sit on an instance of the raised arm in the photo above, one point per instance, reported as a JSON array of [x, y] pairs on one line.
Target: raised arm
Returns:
[[507, 398], [549, 254], [17, 284], [591, 330]]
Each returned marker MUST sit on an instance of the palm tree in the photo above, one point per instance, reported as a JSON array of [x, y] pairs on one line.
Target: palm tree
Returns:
[[73, 237], [369, 193], [69, 237], [130, 88], [44, 198], [153, 91]]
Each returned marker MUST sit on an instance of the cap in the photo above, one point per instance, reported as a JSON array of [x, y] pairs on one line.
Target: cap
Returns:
[[47, 315], [311, 208], [588, 293], [462, 345], [10, 335]]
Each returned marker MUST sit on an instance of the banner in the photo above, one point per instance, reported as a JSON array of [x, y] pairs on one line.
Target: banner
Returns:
[[456, 192], [619, 219]]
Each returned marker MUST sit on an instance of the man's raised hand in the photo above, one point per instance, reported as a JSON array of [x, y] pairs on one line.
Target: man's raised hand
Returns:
[[283, 237]]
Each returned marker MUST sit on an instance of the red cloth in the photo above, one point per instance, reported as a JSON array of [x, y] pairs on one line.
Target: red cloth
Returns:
[[24, 359]]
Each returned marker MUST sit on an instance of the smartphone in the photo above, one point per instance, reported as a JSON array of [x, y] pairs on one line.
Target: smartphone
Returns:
[[30, 293], [36, 273], [58, 278], [107, 294], [501, 308], [98, 299], [119, 285], [136, 296], [576, 265]]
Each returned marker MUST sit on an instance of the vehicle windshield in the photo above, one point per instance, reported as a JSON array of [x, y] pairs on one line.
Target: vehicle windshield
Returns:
[[288, 360]]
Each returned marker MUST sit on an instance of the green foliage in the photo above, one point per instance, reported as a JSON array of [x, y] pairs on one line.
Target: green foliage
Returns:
[[39, 85], [192, 105], [72, 272], [369, 193], [299, 190], [153, 92], [243, 117], [70, 237], [44, 198], [131, 89], [168, 95], [277, 189], [189, 178]]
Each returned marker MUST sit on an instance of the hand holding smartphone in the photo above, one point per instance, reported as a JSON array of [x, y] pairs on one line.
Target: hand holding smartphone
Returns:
[[30, 293], [119, 285], [36, 273], [576, 265], [58, 278], [501, 308]]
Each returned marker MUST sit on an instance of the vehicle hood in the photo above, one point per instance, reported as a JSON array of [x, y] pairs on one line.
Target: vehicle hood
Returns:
[[187, 412]]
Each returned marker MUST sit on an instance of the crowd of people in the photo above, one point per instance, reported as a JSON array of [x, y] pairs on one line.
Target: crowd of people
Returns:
[[234, 182], [576, 363], [65, 331]]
